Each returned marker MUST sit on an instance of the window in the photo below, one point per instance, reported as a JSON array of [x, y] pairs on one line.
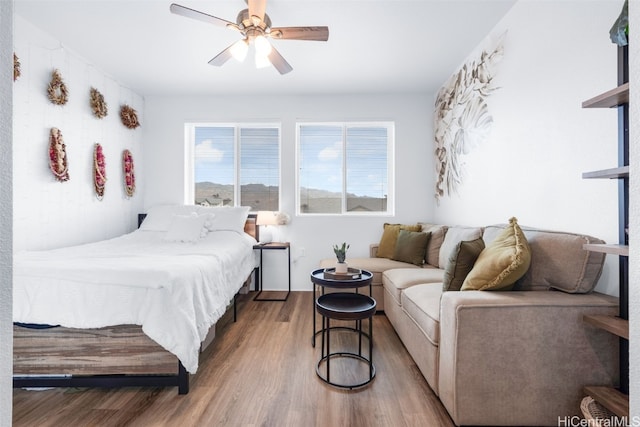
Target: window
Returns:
[[233, 165], [345, 168]]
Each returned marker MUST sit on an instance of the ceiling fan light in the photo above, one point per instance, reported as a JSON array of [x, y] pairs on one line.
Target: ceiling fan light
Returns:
[[262, 61], [239, 50], [263, 47]]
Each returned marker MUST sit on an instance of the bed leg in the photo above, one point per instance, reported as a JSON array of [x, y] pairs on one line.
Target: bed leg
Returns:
[[234, 308], [183, 379]]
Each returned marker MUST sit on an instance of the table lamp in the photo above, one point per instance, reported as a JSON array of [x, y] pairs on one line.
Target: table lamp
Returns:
[[266, 220]]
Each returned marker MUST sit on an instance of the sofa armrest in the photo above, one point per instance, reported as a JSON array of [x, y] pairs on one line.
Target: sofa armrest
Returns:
[[522, 358], [373, 250]]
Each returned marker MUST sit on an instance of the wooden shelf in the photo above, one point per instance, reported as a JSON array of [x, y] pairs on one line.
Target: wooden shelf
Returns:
[[613, 324], [620, 172], [613, 98], [607, 249], [610, 398]]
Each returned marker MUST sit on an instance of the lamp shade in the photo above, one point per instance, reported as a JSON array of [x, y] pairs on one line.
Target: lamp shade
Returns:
[[267, 218]]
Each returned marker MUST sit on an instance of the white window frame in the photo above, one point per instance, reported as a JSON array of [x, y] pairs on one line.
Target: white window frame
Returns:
[[189, 165], [390, 125]]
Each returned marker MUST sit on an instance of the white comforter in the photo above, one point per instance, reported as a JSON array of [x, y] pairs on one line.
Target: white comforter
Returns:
[[176, 291]]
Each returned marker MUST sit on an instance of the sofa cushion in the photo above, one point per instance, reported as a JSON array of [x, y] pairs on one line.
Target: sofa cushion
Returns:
[[435, 242], [558, 260], [411, 247], [422, 304], [504, 260], [454, 235], [389, 238], [460, 263], [399, 279]]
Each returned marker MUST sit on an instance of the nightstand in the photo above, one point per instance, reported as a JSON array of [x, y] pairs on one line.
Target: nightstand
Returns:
[[268, 247]]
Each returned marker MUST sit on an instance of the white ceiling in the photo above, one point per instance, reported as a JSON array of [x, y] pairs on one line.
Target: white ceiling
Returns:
[[375, 46]]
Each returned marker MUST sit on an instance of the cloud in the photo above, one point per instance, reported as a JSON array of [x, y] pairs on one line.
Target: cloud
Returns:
[[331, 153], [206, 152]]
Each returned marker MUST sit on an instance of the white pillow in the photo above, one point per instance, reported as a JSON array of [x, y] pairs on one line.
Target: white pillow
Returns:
[[186, 228], [226, 217], [159, 217]]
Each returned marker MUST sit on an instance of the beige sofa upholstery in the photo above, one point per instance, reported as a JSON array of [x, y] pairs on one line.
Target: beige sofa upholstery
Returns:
[[518, 357]]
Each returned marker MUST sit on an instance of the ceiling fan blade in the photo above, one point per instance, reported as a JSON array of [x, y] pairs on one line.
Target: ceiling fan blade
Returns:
[[257, 8], [279, 62], [200, 16], [301, 33], [222, 57]]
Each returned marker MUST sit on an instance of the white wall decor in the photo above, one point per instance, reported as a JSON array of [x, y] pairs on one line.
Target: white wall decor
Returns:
[[542, 140], [461, 118]]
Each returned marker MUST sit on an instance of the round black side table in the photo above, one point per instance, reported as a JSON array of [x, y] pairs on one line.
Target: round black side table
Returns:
[[353, 281], [345, 306]]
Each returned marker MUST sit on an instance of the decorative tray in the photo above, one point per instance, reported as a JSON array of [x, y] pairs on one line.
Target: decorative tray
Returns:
[[351, 274]]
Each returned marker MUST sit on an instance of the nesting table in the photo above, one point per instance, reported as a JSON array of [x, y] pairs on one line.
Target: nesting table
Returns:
[[346, 306]]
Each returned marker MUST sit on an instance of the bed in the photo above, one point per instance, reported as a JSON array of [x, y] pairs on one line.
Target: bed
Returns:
[[134, 310]]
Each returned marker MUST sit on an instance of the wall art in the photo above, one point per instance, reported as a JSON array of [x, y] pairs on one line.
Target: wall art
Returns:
[[129, 173], [58, 156], [129, 117], [98, 105], [16, 67], [462, 120], [57, 90], [99, 171]]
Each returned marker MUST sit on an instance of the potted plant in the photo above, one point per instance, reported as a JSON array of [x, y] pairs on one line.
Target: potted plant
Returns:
[[341, 254]]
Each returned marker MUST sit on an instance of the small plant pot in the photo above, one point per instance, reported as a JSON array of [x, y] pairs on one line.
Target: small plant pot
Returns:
[[342, 267]]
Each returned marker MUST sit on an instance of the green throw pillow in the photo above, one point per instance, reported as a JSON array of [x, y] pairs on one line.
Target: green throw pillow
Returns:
[[461, 261], [387, 246], [502, 263], [411, 247]]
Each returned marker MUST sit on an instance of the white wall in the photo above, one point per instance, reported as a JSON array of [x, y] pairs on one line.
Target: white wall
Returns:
[[164, 152], [48, 213], [634, 214], [556, 55], [6, 329]]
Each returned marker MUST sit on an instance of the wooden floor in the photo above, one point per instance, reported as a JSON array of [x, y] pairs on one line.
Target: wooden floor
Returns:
[[260, 371]]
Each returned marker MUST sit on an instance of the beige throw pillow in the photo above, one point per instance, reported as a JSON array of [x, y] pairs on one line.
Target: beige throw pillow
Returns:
[[411, 247], [387, 246], [461, 261], [502, 263], [435, 242]]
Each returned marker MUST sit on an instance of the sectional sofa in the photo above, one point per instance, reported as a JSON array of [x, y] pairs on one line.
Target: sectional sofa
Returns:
[[519, 357]]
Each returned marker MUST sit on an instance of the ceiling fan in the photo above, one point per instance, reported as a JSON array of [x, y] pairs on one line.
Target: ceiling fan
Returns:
[[255, 26]]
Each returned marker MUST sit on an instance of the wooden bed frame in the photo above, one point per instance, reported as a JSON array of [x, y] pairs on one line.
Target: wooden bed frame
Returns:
[[115, 356]]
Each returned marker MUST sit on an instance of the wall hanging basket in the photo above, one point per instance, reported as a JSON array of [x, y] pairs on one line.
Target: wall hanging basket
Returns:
[[57, 90], [99, 171], [129, 173], [129, 117], [58, 156], [98, 105]]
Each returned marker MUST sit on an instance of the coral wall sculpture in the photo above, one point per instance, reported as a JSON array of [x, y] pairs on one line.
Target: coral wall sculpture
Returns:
[[461, 119], [99, 171], [58, 156]]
